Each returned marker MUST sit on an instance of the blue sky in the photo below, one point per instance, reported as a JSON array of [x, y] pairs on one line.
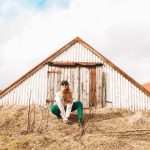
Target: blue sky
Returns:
[[43, 4], [31, 30], [38, 5]]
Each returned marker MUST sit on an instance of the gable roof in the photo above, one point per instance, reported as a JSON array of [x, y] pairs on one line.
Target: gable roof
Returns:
[[64, 48]]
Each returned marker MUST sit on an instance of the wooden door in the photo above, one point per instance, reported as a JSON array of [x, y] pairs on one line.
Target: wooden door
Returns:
[[57, 74], [92, 87], [100, 87], [84, 82]]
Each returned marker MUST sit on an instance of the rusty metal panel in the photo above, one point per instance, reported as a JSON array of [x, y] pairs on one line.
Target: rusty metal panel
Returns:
[[92, 100]]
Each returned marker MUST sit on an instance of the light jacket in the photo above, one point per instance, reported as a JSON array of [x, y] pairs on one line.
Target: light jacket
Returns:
[[60, 102]]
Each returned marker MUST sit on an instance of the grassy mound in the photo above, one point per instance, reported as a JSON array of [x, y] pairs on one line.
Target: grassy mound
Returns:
[[104, 129]]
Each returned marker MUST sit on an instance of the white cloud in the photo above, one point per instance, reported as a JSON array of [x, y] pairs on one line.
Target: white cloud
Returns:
[[120, 30]]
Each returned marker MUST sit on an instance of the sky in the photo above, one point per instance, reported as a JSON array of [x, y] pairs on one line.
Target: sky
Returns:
[[31, 30]]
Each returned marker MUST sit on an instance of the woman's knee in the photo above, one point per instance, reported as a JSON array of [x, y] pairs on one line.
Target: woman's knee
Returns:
[[53, 109], [80, 104]]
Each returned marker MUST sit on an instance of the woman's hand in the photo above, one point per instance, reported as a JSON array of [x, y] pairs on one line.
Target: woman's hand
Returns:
[[66, 121]]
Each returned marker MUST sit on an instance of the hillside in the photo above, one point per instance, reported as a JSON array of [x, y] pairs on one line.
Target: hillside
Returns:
[[107, 129]]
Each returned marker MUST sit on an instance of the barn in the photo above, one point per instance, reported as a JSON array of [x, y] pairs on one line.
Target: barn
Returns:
[[94, 79]]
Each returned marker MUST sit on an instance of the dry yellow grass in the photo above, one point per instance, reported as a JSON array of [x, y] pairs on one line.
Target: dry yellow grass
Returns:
[[107, 129]]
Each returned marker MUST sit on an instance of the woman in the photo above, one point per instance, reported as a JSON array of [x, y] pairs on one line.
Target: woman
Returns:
[[65, 105]]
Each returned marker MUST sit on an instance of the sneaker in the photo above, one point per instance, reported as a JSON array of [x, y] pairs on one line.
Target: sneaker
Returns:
[[81, 128], [66, 121]]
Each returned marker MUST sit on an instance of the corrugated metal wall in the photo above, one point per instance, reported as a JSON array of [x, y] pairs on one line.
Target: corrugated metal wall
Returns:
[[124, 94], [120, 92], [78, 53], [33, 88]]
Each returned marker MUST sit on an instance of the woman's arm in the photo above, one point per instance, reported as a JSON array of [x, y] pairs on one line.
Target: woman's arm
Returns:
[[68, 110], [60, 105]]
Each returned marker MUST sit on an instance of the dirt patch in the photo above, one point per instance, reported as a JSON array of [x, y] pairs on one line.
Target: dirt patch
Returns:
[[104, 129]]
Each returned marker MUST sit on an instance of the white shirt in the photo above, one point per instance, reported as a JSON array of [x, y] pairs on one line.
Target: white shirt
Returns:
[[60, 102]]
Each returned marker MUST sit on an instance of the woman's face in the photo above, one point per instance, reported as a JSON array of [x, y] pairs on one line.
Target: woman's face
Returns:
[[64, 87]]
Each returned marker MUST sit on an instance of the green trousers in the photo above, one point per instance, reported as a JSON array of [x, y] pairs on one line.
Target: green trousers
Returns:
[[76, 106]]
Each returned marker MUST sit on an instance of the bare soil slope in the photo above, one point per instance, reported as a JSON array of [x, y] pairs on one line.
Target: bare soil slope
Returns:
[[109, 129]]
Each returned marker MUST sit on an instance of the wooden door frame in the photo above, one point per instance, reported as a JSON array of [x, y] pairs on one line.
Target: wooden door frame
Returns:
[[74, 64], [92, 87]]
